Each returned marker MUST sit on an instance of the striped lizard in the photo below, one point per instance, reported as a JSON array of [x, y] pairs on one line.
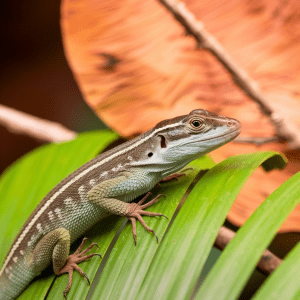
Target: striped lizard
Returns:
[[106, 185]]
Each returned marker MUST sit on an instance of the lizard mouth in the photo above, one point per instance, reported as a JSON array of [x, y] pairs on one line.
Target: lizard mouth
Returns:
[[233, 134]]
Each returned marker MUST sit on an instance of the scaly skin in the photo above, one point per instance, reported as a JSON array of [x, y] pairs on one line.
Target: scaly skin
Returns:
[[104, 186]]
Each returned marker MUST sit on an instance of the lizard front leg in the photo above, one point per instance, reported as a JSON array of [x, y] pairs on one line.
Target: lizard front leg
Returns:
[[175, 175], [55, 246], [135, 211], [106, 193]]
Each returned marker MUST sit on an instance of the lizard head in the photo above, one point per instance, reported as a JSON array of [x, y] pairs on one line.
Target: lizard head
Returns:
[[173, 143], [190, 136]]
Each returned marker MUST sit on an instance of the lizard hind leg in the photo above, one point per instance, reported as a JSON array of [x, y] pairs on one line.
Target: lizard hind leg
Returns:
[[55, 247], [71, 264]]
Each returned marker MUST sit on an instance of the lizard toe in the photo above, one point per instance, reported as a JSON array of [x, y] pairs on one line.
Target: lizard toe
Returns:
[[73, 260]]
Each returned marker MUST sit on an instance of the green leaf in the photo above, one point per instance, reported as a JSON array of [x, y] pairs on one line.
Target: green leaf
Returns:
[[181, 255], [284, 282], [28, 180], [238, 260]]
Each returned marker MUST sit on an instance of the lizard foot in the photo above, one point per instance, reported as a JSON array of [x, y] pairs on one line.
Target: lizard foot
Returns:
[[135, 211], [175, 175], [72, 262]]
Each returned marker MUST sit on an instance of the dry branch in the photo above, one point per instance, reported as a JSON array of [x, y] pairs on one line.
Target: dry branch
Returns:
[[268, 262], [40, 129], [283, 127]]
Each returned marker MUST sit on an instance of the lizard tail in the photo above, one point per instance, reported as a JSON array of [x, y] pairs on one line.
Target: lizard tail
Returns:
[[14, 281]]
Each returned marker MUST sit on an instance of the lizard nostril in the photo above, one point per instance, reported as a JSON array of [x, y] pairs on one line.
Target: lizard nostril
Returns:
[[231, 123]]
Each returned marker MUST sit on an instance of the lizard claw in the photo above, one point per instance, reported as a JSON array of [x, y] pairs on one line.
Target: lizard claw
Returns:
[[135, 211], [175, 175], [72, 262]]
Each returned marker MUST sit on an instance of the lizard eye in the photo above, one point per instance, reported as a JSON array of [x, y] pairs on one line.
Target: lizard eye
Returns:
[[197, 124]]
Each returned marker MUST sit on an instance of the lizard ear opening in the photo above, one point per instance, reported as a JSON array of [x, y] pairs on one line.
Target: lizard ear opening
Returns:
[[163, 142]]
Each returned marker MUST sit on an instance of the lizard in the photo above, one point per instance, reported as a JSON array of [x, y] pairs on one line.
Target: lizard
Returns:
[[107, 185]]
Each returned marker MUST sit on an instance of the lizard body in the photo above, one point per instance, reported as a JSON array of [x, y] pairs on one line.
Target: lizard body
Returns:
[[105, 185]]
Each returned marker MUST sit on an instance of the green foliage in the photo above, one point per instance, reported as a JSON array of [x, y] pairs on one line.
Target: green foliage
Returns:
[[284, 283], [170, 269], [239, 258]]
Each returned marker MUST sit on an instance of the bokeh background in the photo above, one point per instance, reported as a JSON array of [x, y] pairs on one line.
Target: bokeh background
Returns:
[[35, 77]]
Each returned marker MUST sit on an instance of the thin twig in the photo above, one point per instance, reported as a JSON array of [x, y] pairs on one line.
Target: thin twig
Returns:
[[40, 129], [268, 261], [283, 127], [256, 140]]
